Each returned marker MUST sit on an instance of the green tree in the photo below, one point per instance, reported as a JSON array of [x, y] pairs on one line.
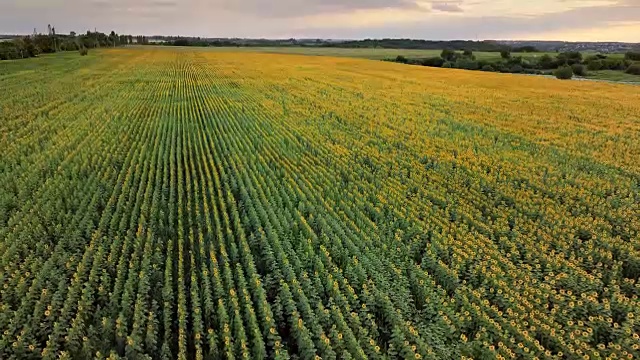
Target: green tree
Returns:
[[634, 69], [546, 62], [28, 47], [579, 69], [632, 55], [448, 55], [564, 73], [570, 57], [399, 58], [595, 65], [433, 62], [516, 69], [467, 64], [113, 38]]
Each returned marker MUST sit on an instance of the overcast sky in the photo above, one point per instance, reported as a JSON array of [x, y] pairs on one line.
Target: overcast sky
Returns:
[[576, 20]]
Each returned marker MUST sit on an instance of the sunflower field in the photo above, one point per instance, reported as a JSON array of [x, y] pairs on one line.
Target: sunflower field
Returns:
[[186, 204]]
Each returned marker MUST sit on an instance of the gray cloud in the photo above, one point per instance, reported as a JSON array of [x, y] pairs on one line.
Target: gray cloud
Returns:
[[138, 5], [497, 27], [164, 3], [281, 18], [286, 9], [447, 6]]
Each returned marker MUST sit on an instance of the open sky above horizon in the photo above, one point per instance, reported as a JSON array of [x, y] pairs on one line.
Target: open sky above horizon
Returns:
[[571, 20]]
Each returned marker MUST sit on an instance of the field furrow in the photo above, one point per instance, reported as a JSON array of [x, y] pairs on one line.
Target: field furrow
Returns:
[[180, 204]]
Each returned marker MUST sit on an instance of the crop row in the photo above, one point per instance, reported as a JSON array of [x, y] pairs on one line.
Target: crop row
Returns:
[[191, 205]]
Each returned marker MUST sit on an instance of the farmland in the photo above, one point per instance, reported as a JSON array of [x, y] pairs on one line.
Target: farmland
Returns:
[[382, 53], [365, 53], [181, 203]]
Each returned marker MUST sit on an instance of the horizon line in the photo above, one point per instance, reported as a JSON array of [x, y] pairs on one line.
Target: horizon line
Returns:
[[343, 39]]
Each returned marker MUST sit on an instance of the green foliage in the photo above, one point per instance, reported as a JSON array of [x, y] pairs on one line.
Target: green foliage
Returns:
[[564, 73], [183, 42], [584, 234], [515, 60], [505, 54], [520, 64], [449, 55], [525, 49], [19, 48], [192, 42], [595, 64], [570, 57], [595, 57], [404, 44], [32, 46], [401, 59], [615, 64], [632, 55], [84, 51], [633, 69], [579, 69], [466, 64], [517, 69], [546, 62], [433, 62]]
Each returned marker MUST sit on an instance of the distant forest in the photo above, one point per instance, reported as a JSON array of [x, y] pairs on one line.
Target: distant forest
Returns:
[[488, 46], [21, 47], [15, 47]]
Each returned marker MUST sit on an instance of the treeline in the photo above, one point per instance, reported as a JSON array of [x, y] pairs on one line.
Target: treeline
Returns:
[[229, 42], [33, 45], [170, 41], [204, 43], [461, 45], [490, 46], [563, 65]]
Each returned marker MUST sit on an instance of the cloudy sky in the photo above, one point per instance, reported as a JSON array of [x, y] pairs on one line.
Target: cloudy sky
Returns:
[[578, 20]]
